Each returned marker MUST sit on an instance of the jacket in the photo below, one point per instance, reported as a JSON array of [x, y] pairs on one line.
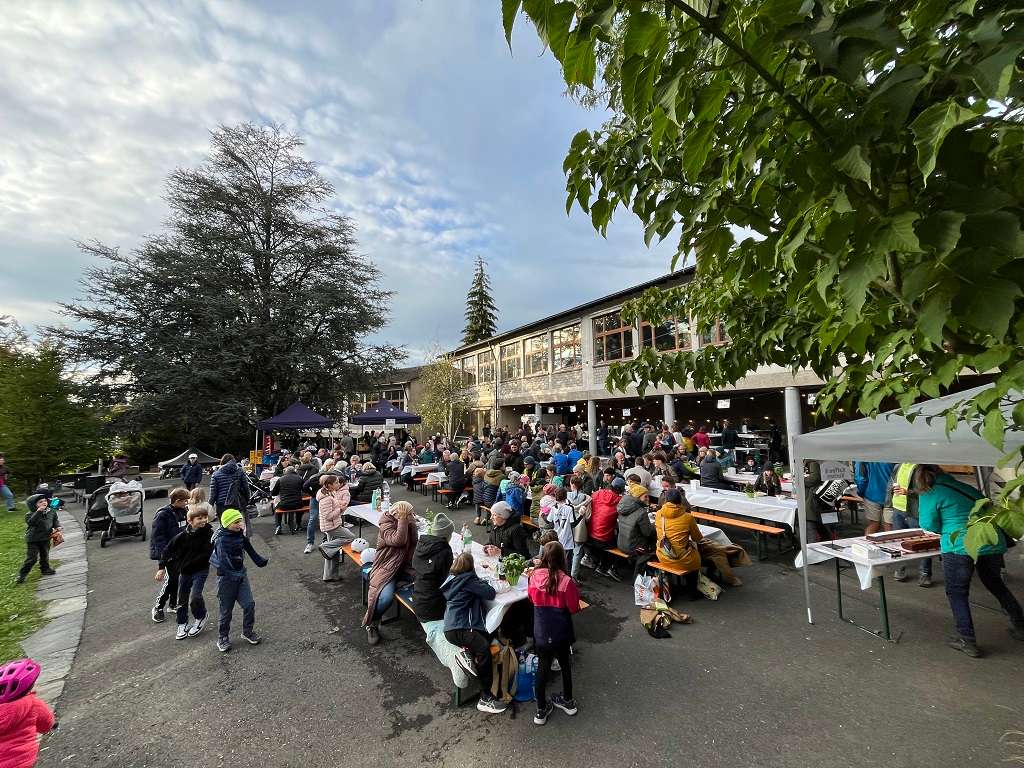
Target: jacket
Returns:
[[635, 529], [603, 515], [189, 551], [649, 439], [289, 491], [431, 561], [332, 506], [229, 548], [872, 478], [222, 486], [363, 490], [396, 541], [456, 472], [552, 614], [730, 437], [20, 721], [562, 463], [192, 473], [678, 526], [515, 461], [711, 474], [39, 525], [167, 523], [465, 594], [772, 487], [483, 492], [945, 509], [510, 537], [701, 440]]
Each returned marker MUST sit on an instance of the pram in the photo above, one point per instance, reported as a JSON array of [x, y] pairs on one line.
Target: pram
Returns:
[[116, 510]]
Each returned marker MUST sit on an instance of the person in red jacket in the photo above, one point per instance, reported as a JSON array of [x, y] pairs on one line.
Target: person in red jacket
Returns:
[[602, 527], [22, 714]]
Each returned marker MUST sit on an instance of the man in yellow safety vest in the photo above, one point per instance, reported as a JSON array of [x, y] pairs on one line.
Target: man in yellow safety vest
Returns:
[[902, 500]]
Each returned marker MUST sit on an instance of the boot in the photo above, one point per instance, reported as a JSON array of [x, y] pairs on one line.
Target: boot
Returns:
[[373, 633]]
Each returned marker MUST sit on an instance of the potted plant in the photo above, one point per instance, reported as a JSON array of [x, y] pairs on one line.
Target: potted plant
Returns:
[[749, 490], [515, 565]]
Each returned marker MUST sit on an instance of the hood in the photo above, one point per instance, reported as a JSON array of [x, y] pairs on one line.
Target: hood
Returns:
[[671, 510], [453, 584], [231, 468], [428, 546], [494, 476]]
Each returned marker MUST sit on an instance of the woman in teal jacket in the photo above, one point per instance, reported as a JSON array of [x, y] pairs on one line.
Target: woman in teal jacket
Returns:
[[944, 504]]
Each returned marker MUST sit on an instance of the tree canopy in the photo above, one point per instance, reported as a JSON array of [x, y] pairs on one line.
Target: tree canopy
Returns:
[[254, 296], [445, 400], [481, 312], [849, 175]]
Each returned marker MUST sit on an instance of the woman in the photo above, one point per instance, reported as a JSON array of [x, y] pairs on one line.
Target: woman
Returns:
[[768, 482], [555, 599], [396, 542], [456, 471], [944, 504], [677, 535], [332, 501], [594, 470], [711, 472]]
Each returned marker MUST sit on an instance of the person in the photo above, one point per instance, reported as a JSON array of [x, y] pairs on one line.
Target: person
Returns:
[[40, 524], [944, 505], [574, 454], [636, 533], [289, 501], [347, 442], [431, 561], [751, 465], [701, 439], [396, 542], [730, 439], [601, 527], [711, 472], [118, 467], [333, 499], [456, 472], [192, 472], [677, 536], [562, 517], [168, 522], [465, 593], [555, 597], [768, 482], [199, 498], [515, 460], [23, 715], [370, 480], [581, 511], [310, 488], [873, 479], [488, 493], [229, 487], [507, 535], [903, 508], [5, 484], [426, 454], [230, 546], [188, 555]]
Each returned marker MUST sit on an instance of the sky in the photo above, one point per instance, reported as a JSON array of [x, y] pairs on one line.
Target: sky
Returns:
[[440, 143]]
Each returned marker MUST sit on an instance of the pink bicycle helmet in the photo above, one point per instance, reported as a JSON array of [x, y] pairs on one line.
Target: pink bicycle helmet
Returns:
[[17, 679]]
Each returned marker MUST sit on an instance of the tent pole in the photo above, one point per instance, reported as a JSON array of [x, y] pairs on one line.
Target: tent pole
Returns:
[[794, 427]]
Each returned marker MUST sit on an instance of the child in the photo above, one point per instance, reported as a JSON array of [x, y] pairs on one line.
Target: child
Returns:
[[198, 497], [561, 515], [40, 523], [22, 714], [555, 598], [547, 501], [168, 522], [229, 548], [188, 554], [333, 498]]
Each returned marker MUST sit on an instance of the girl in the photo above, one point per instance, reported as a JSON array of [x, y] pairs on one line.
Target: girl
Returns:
[[768, 482], [22, 714], [561, 515], [555, 598], [332, 500]]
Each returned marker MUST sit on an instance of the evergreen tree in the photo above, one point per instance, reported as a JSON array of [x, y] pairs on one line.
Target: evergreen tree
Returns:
[[481, 314]]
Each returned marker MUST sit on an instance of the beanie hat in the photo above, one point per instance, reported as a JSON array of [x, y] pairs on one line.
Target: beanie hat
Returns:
[[618, 485], [637, 491], [441, 526], [529, 460], [501, 508], [549, 489], [228, 516]]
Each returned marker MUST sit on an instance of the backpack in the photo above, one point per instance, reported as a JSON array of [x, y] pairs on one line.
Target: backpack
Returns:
[[505, 672]]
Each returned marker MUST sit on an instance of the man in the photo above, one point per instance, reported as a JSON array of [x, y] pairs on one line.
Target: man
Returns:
[[514, 460], [560, 461], [575, 454], [507, 536], [649, 439], [701, 439], [348, 443], [730, 439], [873, 479], [5, 488], [602, 439], [229, 487], [192, 472]]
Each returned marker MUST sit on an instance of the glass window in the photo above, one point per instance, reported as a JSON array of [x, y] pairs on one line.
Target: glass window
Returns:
[[714, 336], [395, 396], [485, 367], [511, 361], [670, 336], [536, 349], [468, 365], [613, 340], [567, 349]]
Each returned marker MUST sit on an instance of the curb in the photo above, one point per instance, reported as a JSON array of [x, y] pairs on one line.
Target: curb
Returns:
[[54, 646]]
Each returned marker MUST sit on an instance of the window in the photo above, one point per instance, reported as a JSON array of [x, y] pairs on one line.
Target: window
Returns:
[[670, 336], [511, 361], [536, 349], [568, 352], [395, 396], [612, 339], [714, 336], [485, 367], [468, 366]]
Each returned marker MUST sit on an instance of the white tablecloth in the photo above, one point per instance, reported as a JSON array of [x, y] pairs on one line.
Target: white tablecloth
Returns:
[[867, 569], [772, 508], [393, 464], [416, 469], [436, 477], [745, 478], [365, 512], [717, 535]]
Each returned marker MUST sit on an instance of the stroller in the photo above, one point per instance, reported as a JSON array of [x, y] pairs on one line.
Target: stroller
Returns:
[[116, 510]]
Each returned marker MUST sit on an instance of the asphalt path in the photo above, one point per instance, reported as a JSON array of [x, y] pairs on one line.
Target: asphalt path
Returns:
[[749, 683]]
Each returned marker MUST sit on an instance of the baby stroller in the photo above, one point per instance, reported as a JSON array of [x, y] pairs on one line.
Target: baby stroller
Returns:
[[116, 510]]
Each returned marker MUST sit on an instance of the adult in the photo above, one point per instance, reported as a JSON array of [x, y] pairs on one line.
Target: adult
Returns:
[[431, 561], [396, 541], [348, 443], [650, 439], [711, 472], [289, 491], [602, 439], [427, 454], [944, 505], [370, 480], [730, 439], [768, 482], [873, 479], [5, 488], [636, 533], [514, 460], [701, 438], [507, 535], [229, 487], [677, 537], [601, 527], [456, 471], [903, 508], [574, 454]]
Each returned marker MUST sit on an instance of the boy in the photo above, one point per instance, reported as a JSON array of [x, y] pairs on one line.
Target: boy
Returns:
[[189, 554], [167, 523], [39, 524], [229, 548]]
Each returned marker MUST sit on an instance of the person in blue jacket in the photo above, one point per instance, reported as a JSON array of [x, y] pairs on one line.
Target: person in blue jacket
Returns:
[[561, 462], [230, 546], [944, 504], [192, 472], [872, 479], [168, 522]]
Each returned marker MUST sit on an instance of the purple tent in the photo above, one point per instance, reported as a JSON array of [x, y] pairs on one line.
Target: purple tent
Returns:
[[295, 416], [383, 411]]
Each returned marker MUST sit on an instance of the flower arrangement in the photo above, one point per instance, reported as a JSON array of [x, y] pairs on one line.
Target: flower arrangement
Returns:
[[515, 565]]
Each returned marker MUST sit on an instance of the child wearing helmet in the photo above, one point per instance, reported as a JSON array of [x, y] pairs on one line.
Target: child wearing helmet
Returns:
[[22, 714]]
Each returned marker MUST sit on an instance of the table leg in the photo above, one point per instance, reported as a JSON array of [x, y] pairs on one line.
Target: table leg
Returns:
[[839, 589], [883, 608]]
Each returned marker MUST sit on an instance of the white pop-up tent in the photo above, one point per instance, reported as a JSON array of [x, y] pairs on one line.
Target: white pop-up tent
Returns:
[[893, 437]]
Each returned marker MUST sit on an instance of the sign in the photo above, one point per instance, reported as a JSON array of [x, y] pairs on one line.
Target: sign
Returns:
[[724, 404], [835, 470], [268, 444], [812, 399], [572, 409], [389, 423], [627, 412], [551, 410]]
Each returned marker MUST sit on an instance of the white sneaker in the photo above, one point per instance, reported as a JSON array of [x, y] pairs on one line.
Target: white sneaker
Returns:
[[197, 626], [308, 549], [555, 666], [182, 632], [464, 660]]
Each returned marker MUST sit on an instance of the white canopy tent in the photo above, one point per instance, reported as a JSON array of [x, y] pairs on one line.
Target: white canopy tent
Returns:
[[892, 437]]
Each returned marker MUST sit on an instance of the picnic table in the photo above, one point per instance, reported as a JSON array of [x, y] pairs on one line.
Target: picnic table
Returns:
[[437, 477], [417, 469], [749, 478], [774, 508]]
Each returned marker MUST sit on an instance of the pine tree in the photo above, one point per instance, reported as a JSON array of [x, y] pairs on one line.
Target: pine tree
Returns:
[[481, 313]]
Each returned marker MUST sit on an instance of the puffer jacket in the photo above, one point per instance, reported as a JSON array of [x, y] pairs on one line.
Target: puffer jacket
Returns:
[[168, 522], [332, 505], [603, 515], [229, 548], [431, 561], [465, 594], [676, 524], [362, 491], [289, 489], [222, 482], [635, 529]]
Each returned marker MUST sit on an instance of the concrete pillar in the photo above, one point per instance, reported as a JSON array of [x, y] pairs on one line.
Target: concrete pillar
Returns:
[[538, 411], [592, 426], [670, 409], [794, 425]]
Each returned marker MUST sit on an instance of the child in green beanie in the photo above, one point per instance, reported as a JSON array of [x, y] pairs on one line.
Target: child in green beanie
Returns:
[[229, 547]]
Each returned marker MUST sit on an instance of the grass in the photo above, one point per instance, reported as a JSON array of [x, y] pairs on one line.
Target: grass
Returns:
[[20, 612]]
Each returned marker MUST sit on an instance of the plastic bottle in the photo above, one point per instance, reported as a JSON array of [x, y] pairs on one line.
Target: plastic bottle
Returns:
[[385, 501], [467, 539]]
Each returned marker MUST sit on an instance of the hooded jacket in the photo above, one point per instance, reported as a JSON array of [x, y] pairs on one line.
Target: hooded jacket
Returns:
[[552, 614], [635, 529], [431, 561], [222, 486], [678, 526], [465, 594], [189, 552], [39, 525], [332, 506], [20, 721], [229, 548], [603, 515], [167, 523], [368, 482]]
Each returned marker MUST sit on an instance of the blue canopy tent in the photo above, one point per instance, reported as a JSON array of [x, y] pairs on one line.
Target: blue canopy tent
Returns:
[[295, 416], [382, 412]]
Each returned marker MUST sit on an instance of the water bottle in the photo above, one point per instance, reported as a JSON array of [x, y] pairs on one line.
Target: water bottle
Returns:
[[501, 570], [467, 539], [385, 501], [375, 499]]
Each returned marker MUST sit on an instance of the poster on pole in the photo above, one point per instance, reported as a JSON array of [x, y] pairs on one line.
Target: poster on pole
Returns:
[[268, 444], [389, 424]]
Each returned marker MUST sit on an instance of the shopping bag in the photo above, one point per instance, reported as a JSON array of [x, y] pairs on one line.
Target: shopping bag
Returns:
[[643, 590], [708, 588]]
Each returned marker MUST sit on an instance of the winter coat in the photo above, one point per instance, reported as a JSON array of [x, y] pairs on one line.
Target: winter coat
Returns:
[[492, 479], [456, 472], [711, 474], [39, 525], [229, 549], [676, 524], [332, 506], [396, 541], [603, 515], [223, 483], [510, 537], [701, 440], [289, 491], [362, 491], [873, 478], [465, 594], [189, 551], [730, 437], [562, 463], [650, 438], [515, 461], [945, 509], [483, 492], [168, 522], [552, 614], [588, 486], [635, 529], [20, 721], [192, 473], [431, 561], [772, 486]]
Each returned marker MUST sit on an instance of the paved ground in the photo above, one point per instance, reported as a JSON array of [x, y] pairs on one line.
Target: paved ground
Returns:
[[749, 683]]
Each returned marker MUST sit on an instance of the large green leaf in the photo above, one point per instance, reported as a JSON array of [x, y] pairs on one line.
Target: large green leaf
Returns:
[[990, 305], [898, 234], [941, 231], [855, 164], [857, 276], [993, 74], [696, 147], [643, 31], [509, 11], [552, 21], [930, 129]]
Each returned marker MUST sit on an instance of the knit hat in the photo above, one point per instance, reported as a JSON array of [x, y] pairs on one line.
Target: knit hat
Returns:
[[228, 516], [618, 485], [637, 491], [529, 460], [549, 489], [502, 509], [441, 526]]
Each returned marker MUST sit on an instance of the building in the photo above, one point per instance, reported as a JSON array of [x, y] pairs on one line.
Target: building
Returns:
[[554, 370], [403, 389]]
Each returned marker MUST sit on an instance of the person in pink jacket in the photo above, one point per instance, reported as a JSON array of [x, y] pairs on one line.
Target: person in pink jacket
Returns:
[[22, 714], [332, 501]]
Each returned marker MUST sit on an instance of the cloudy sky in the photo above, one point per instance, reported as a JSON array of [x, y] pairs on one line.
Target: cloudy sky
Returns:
[[441, 144]]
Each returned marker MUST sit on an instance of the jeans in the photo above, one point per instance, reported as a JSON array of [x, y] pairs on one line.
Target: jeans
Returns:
[[190, 594], [314, 520], [385, 598], [958, 570], [577, 556], [479, 648], [901, 521], [540, 682], [168, 590], [8, 495], [36, 550], [231, 590]]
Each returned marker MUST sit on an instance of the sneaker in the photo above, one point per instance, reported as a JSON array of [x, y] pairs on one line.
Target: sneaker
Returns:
[[157, 613], [182, 632], [372, 634], [924, 580], [277, 531], [476, 521], [49, 572], [252, 638], [540, 717], [965, 646], [587, 562], [566, 705], [490, 705], [900, 574], [308, 549], [555, 666], [223, 645], [172, 607], [197, 627], [465, 661], [19, 579]]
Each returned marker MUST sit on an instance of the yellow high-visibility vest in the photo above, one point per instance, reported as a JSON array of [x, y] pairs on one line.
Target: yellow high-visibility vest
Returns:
[[903, 474]]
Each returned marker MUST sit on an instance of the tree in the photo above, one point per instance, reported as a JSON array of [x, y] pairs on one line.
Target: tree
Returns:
[[253, 297], [847, 172], [445, 398], [481, 313]]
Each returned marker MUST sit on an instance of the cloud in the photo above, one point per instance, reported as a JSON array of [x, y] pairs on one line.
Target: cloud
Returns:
[[440, 145]]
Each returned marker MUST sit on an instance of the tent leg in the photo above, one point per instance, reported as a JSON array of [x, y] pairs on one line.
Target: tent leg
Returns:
[[839, 590]]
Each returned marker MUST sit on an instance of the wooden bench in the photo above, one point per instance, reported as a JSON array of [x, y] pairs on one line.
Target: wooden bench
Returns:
[[446, 492], [760, 529], [280, 513]]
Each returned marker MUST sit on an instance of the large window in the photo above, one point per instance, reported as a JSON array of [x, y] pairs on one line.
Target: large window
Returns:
[[670, 336], [613, 340], [511, 361], [536, 348], [395, 396], [485, 367], [568, 352], [714, 336], [468, 366]]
